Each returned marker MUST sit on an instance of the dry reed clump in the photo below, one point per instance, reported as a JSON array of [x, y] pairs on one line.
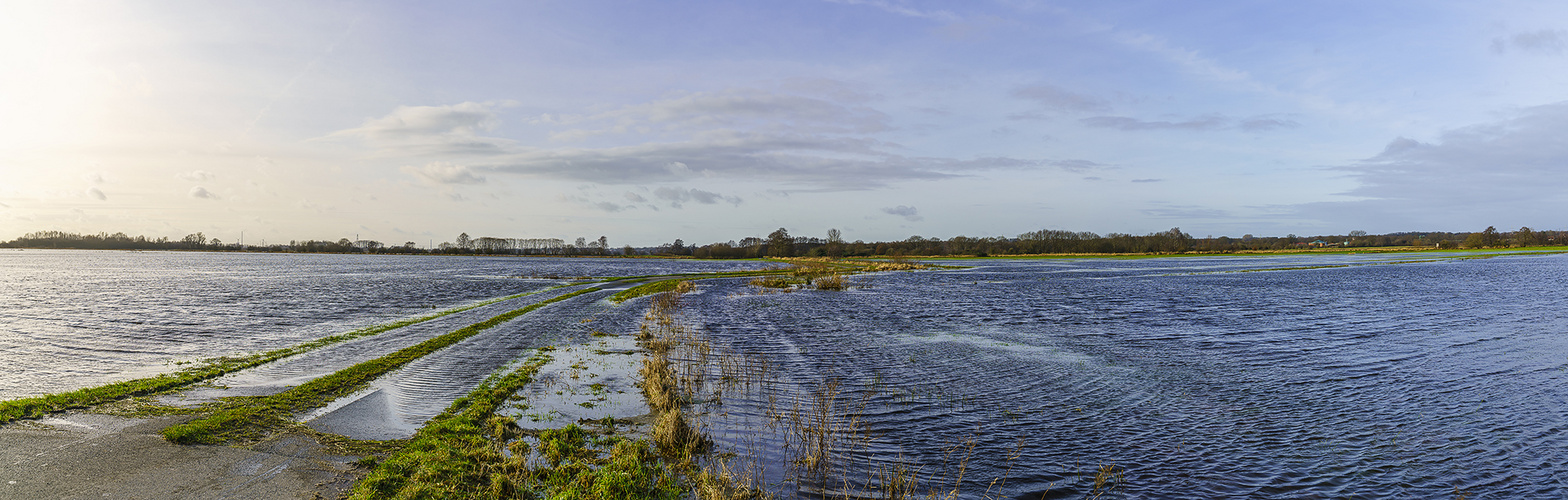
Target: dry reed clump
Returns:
[[675, 437], [895, 265], [719, 481], [773, 281], [658, 383], [831, 282]]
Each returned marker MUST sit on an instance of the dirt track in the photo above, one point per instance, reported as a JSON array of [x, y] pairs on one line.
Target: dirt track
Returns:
[[83, 455]]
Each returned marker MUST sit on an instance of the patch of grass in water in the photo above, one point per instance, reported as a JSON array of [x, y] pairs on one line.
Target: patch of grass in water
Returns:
[[651, 288]]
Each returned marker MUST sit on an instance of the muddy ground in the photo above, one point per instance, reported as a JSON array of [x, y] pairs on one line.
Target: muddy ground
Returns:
[[86, 455]]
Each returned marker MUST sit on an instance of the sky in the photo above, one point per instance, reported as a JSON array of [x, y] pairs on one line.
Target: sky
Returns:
[[709, 121]]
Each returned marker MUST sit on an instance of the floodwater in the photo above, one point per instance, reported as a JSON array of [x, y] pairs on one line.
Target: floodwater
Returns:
[[72, 319], [1345, 376], [1381, 379]]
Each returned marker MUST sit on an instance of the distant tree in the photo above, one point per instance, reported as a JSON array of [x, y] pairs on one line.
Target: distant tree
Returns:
[[604, 245], [1525, 237], [1490, 237], [463, 241], [409, 245], [195, 240], [780, 244], [628, 250], [835, 244]]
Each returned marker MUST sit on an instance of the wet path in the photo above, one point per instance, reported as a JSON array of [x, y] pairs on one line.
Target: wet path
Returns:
[[398, 403], [292, 371]]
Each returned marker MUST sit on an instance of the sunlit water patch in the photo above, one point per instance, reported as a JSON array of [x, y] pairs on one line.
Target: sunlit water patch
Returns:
[[72, 319]]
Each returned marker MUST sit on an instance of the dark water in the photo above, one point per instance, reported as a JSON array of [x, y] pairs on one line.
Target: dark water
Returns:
[[72, 319], [1410, 380]]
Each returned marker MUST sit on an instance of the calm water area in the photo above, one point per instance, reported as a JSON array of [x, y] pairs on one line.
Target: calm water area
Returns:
[[1328, 376]]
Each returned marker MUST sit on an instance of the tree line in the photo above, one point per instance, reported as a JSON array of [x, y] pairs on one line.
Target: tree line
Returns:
[[781, 243]]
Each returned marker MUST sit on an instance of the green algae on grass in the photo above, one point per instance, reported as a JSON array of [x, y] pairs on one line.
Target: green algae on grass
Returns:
[[255, 416]]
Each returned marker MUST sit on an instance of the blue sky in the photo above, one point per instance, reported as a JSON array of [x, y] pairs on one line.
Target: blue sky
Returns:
[[712, 121]]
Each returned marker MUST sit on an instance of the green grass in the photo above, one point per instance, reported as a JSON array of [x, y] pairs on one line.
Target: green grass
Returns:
[[454, 455], [462, 454], [255, 416], [38, 406]]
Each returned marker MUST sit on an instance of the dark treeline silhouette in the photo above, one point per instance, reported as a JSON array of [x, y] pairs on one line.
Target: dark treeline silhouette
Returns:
[[1048, 241], [780, 243]]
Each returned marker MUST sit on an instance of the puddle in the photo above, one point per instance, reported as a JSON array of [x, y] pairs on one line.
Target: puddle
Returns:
[[584, 384]]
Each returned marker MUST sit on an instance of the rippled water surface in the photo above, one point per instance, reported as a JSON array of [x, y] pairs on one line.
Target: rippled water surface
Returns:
[[1376, 380], [72, 319], [1337, 376]]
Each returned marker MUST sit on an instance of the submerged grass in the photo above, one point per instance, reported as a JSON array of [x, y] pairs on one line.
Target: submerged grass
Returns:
[[468, 452], [255, 416], [456, 454], [38, 406]]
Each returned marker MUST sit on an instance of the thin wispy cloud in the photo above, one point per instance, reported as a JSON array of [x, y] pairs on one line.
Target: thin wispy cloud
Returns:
[[1546, 41], [1054, 99], [903, 9], [197, 176], [445, 173], [433, 130], [1205, 122]]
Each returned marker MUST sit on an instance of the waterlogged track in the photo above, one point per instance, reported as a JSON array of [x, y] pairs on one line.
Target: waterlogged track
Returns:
[[280, 375], [398, 403]]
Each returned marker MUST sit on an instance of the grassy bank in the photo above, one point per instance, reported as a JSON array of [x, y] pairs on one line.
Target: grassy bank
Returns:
[[257, 415], [35, 407]]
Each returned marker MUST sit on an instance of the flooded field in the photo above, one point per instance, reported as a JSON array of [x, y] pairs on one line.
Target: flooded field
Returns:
[[1335, 376], [1189, 378], [72, 319]]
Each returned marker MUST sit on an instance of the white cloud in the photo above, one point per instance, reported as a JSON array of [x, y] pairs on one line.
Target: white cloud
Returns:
[[908, 213], [196, 176], [1500, 173], [96, 194], [202, 193], [445, 173]]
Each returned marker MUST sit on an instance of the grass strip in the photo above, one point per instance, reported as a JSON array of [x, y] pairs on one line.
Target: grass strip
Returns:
[[645, 289], [38, 406], [468, 452], [260, 414], [452, 454]]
